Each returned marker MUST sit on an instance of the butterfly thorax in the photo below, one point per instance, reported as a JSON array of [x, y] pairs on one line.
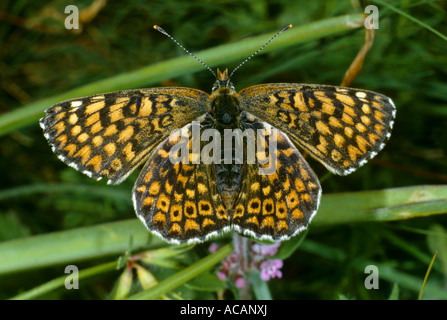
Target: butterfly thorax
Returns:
[[225, 110]]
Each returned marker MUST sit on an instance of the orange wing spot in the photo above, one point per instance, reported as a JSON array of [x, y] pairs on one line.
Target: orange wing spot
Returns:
[[84, 153], [379, 115], [266, 190], [281, 210], [321, 96], [94, 107], [379, 128], [97, 141], [126, 134], [83, 137], [362, 143], [95, 128], [128, 152], [322, 146], [190, 210], [72, 119], [292, 199], [347, 119], [328, 108], [323, 128], [365, 120], [116, 164], [178, 197], [168, 187], [202, 188], [366, 108], [345, 99], [350, 111], [373, 138], [116, 115], [182, 179], [163, 153], [62, 140], [299, 103], [110, 131], [349, 132], [163, 202], [148, 177], [110, 149], [254, 206], [205, 208], [190, 193], [175, 213], [154, 188], [239, 211], [141, 189], [268, 222], [176, 229], [92, 119], [60, 126], [95, 162], [353, 152], [274, 176], [253, 220], [207, 222], [299, 185], [334, 122], [339, 140], [268, 206], [60, 116], [286, 184], [76, 130], [71, 148], [191, 225], [306, 197], [360, 127], [282, 224], [336, 155], [297, 214], [221, 213], [159, 217], [288, 152]]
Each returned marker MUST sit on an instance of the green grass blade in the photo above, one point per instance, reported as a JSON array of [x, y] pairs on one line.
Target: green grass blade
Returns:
[[73, 245], [185, 275], [112, 238], [152, 74], [60, 282]]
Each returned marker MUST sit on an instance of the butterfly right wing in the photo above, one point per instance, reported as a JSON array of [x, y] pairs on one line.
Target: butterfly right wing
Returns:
[[111, 134]]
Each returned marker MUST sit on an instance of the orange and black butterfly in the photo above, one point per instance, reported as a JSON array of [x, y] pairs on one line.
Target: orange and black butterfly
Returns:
[[111, 134]]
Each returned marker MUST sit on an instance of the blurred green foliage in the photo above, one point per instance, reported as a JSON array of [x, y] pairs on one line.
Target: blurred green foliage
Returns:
[[39, 58]]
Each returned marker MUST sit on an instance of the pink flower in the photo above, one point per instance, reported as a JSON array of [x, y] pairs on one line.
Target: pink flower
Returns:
[[270, 269], [213, 247], [265, 250], [240, 282]]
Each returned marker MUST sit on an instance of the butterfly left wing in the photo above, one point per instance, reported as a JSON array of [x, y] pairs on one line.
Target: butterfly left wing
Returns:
[[111, 134], [340, 127], [176, 198], [279, 194]]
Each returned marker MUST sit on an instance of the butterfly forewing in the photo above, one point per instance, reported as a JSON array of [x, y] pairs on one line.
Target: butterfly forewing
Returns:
[[111, 134], [340, 127]]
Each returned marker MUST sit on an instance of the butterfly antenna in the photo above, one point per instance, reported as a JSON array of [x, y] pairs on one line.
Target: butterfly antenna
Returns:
[[161, 30], [265, 45]]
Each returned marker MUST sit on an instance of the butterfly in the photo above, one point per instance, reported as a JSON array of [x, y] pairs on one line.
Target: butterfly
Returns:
[[182, 201]]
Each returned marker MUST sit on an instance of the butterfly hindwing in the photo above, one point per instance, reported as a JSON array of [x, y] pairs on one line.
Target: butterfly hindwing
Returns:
[[177, 199], [278, 197], [341, 127]]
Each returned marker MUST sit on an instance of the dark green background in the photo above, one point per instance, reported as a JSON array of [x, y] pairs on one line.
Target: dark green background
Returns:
[[39, 59]]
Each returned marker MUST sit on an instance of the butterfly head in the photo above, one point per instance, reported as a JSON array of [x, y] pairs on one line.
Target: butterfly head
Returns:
[[223, 80]]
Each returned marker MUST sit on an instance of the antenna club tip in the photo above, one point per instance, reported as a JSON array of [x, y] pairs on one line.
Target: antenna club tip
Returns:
[[290, 25], [155, 26]]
